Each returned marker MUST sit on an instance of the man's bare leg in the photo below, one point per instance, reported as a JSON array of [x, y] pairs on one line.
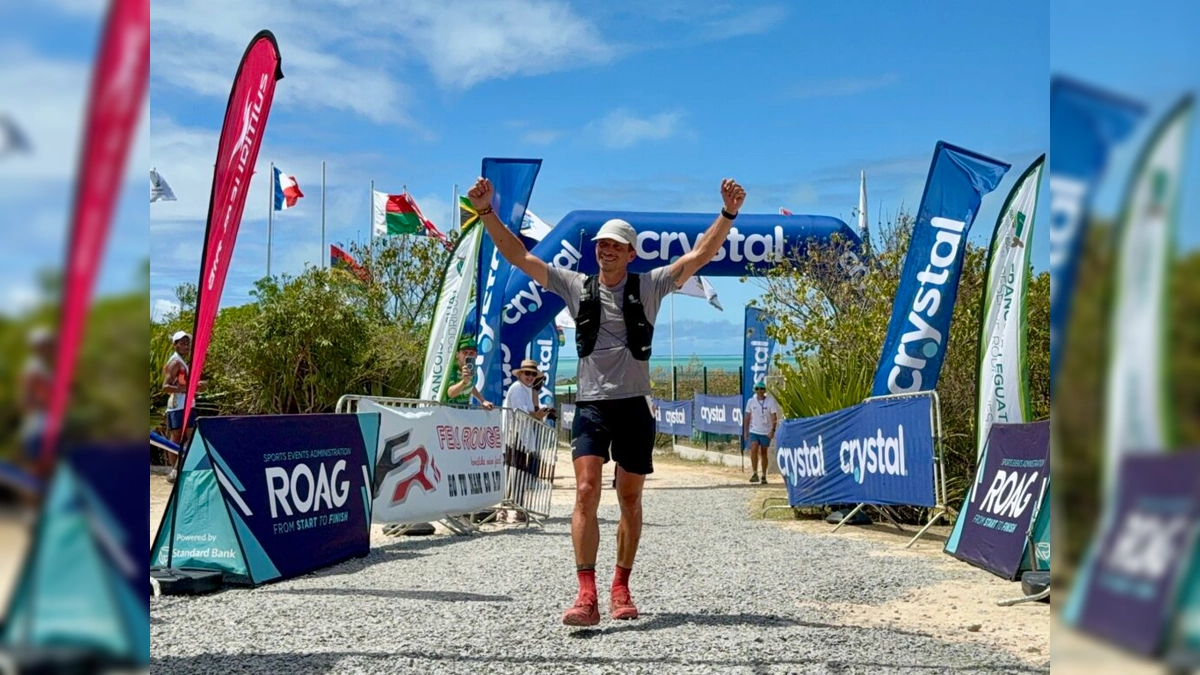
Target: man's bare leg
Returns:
[[585, 529], [629, 530], [585, 536], [629, 533]]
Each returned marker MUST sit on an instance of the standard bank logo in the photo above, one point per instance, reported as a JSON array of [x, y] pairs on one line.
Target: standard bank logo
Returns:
[[878, 454]]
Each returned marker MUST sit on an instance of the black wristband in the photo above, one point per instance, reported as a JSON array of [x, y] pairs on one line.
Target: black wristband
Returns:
[[730, 216], [484, 211]]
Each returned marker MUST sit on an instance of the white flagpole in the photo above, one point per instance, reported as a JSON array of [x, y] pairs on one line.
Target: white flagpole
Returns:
[[454, 219], [673, 396], [324, 255], [270, 214], [371, 201]]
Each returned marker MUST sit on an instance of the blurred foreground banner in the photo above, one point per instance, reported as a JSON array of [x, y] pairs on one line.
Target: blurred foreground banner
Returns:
[[271, 497], [1136, 412], [877, 452], [1129, 591], [1085, 125], [998, 526]]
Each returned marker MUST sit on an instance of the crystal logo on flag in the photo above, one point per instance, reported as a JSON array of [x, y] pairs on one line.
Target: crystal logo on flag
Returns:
[[1042, 551], [529, 299], [927, 301]]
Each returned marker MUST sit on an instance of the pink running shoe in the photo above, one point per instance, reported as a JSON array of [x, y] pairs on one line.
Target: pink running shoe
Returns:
[[621, 604], [585, 612]]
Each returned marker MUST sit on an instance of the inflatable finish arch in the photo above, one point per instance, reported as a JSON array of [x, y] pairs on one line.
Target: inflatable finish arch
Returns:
[[755, 241]]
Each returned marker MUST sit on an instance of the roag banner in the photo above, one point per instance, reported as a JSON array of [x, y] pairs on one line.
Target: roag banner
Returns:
[[1129, 589], [993, 527], [756, 351], [919, 329], [718, 414], [674, 418], [1085, 125], [435, 462], [271, 496], [877, 452]]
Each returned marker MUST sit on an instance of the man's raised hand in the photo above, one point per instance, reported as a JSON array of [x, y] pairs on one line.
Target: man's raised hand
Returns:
[[733, 195], [480, 194]]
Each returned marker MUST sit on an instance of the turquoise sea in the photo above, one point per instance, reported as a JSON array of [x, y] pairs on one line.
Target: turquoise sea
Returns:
[[568, 367]]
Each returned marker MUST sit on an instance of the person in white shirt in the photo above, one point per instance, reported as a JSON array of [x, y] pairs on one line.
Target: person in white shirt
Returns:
[[522, 396], [759, 422]]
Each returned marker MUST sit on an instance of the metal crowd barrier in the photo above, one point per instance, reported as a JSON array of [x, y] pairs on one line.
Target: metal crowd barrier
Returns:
[[530, 453]]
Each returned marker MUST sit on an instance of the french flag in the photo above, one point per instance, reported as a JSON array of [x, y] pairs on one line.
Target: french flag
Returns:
[[286, 189]]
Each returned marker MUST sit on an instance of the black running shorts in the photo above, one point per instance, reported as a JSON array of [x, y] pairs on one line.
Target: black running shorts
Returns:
[[621, 430]]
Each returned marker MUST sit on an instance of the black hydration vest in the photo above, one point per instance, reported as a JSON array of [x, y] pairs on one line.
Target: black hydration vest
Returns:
[[639, 333]]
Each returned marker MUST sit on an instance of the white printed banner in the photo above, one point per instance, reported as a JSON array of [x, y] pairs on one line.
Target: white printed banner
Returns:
[[450, 314], [1003, 370], [434, 462]]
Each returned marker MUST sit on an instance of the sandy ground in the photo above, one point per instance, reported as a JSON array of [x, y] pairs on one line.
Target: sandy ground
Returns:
[[946, 609]]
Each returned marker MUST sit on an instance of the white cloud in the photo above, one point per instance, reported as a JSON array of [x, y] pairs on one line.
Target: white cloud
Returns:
[[465, 42], [196, 46], [348, 57], [162, 307], [846, 86], [622, 129], [541, 136], [18, 298]]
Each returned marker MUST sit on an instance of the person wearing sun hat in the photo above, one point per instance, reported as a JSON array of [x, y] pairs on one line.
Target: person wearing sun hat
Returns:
[[462, 375], [522, 395]]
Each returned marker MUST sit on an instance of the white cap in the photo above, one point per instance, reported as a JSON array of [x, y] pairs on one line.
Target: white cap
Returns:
[[617, 230], [179, 335]]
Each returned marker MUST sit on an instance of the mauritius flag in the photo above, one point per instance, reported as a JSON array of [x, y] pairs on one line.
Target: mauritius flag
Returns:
[[399, 214]]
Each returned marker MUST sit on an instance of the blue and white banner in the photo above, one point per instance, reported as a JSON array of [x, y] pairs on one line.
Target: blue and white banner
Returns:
[[513, 181], [674, 417], [718, 414], [757, 349], [752, 246], [1085, 124], [877, 452], [544, 350], [919, 329]]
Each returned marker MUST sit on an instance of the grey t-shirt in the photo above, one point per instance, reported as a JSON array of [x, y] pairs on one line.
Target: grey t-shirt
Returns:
[[610, 371]]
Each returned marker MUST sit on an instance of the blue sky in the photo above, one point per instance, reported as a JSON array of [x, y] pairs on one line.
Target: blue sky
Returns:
[[639, 106]]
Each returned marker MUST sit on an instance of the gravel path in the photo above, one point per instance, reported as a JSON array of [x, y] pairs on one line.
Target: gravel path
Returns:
[[718, 593]]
